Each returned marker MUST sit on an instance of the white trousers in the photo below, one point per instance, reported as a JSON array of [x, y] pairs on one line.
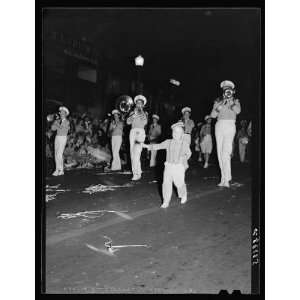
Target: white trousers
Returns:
[[225, 132], [153, 158], [116, 142], [59, 147], [242, 150], [136, 136], [173, 173], [187, 137]]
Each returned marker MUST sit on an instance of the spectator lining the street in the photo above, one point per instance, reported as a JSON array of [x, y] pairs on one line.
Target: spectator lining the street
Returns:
[[116, 132], [242, 139], [206, 140]]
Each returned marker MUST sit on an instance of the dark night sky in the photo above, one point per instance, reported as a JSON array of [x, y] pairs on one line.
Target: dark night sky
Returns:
[[199, 47]]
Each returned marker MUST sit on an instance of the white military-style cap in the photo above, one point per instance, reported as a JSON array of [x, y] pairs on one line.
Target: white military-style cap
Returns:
[[64, 109], [178, 124], [227, 84], [154, 116], [186, 109], [207, 117], [140, 97], [115, 111]]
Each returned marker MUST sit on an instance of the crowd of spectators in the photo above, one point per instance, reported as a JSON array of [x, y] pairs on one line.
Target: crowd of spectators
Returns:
[[88, 143]]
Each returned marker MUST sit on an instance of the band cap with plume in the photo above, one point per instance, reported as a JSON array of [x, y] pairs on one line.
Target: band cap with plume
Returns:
[[186, 109], [64, 109], [227, 84], [140, 97], [115, 111], [178, 124]]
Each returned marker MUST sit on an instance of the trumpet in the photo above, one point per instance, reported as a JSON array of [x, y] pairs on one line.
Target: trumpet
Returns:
[[52, 117], [228, 93]]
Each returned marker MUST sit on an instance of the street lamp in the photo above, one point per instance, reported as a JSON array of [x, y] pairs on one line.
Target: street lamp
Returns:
[[139, 62], [175, 82]]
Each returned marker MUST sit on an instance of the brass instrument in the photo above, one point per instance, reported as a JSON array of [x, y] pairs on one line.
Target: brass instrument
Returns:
[[228, 93], [227, 96], [52, 117], [125, 104]]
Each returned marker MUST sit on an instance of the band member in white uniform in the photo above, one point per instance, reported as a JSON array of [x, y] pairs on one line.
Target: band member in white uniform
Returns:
[[138, 119], [178, 153], [61, 127], [206, 140], [116, 132], [153, 137], [225, 110], [188, 123]]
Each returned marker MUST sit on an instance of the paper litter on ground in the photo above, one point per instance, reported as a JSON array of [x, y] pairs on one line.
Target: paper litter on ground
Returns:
[[50, 197], [103, 188], [115, 172], [54, 188], [236, 184], [93, 214]]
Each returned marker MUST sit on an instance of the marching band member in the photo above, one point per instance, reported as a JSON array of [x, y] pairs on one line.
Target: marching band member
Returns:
[[188, 123], [116, 132], [138, 119], [206, 140], [61, 127], [225, 110], [153, 136], [178, 153]]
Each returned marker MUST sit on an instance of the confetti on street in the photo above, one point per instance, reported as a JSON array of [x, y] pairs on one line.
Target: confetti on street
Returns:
[[153, 181], [51, 197], [236, 184], [93, 214], [103, 188], [115, 172], [54, 188]]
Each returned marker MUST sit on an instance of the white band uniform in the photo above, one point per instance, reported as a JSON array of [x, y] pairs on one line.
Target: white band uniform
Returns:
[[59, 146], [116, 142], [136, 135], [225, 132]]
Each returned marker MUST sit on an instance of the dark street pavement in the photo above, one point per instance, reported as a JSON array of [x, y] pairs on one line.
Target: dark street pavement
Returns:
[[202, 246]]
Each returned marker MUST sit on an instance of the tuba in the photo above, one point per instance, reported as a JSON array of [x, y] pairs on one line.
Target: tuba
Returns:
[[125, 104]]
